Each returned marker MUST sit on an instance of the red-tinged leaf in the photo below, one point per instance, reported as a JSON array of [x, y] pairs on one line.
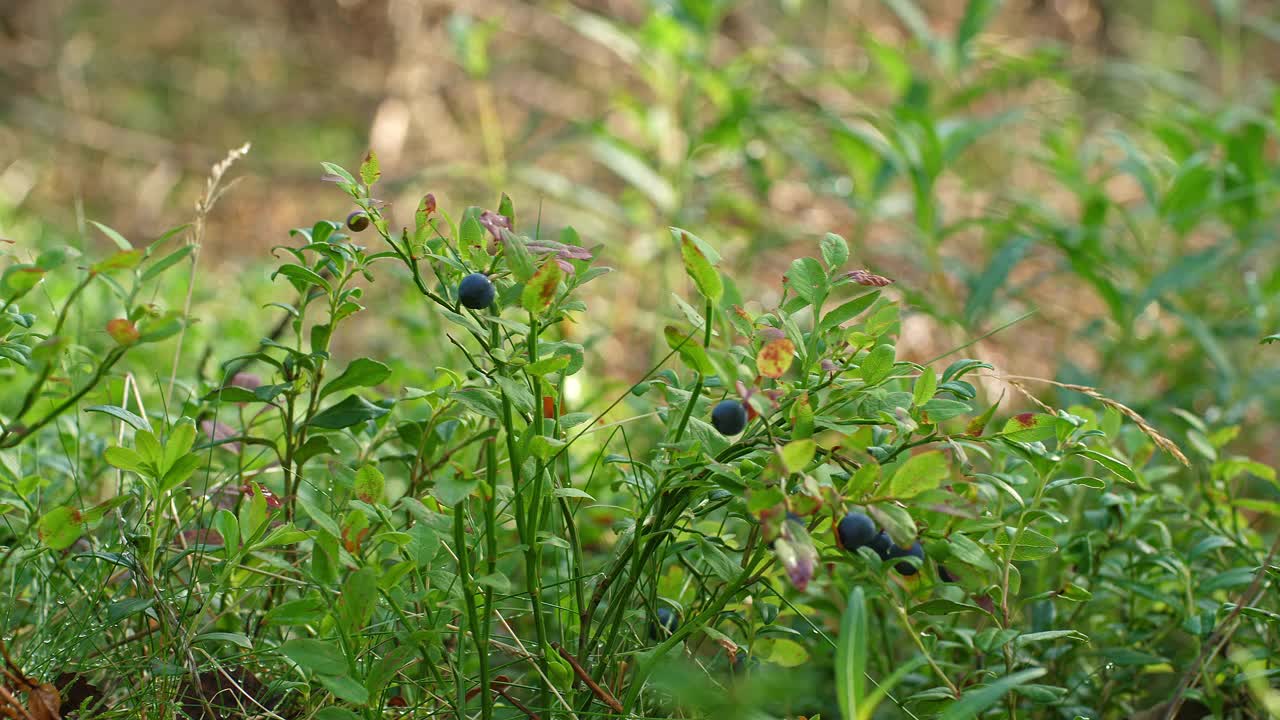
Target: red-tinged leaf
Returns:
[[369, 169], [123, 331], [775, 358], [541, 288], [866, 277], [124, 260]]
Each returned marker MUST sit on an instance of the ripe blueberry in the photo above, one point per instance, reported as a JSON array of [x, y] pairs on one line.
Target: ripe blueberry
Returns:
[[945, 575], [855, 530], [357, 221], [881, 544], [729, 417], [476, 292], [897, 552], [666, 623]]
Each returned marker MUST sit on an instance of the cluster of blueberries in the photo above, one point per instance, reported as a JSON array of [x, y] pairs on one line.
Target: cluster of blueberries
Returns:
[[857, 530]]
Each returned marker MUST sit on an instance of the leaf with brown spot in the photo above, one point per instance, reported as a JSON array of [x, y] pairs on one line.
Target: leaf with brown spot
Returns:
[[700, 269], [775, 358], [541, 288]]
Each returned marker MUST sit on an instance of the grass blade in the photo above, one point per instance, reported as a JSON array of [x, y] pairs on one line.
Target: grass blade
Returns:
[[851, 656], [973, 703]]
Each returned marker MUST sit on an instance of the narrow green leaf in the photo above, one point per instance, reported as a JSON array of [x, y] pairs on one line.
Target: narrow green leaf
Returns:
[[974, 702], [851, 656], [116, 237], [137, 422], [1119, 469]]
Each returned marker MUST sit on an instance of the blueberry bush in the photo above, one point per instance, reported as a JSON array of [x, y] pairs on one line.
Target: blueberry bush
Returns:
[[781, 518]]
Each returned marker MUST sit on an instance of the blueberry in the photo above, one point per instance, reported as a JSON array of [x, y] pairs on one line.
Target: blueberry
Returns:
[[357, 221], [881, 544], [476, 292], [666, 623], [855, 530], [729, 417], [897, 552]]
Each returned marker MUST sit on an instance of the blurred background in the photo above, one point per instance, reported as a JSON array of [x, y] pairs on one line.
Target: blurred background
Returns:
[[1085, 187]]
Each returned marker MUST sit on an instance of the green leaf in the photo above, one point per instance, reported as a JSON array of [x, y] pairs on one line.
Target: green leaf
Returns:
[[1030, 427], [549, 365], [807, 279], [238, 639], [302, 277], [344, 688], [691, 351], [351, 411], [1270, 339], [878, 364], [156, 268], [540, 291], [518, 256], [975, 701], [848, 311], [315, 655], [976, 16], [925, 387], [896, 521], [545, 447], [700, 269], [1031, 546], [116, 237], [851, 656], [918, 474], [227, 526], [123, 260], [358, 599], [969, 552], [59, 528], [369, 169], [940, 409], [797, 454], [335, 713], [126, 459], [369, 484], [943, 606], [1119, 469], [362, 372], [303, 611], [835, 251]]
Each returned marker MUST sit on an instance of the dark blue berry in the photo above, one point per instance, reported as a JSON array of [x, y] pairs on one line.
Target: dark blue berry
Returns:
[[882, 544], [906, 568], [855, 530], [476, 292], [945, 575], [357, 221], [729, 417], [667, 622]]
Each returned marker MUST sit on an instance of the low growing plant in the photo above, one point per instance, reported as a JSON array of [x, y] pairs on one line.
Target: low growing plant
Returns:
[[757, 527]]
